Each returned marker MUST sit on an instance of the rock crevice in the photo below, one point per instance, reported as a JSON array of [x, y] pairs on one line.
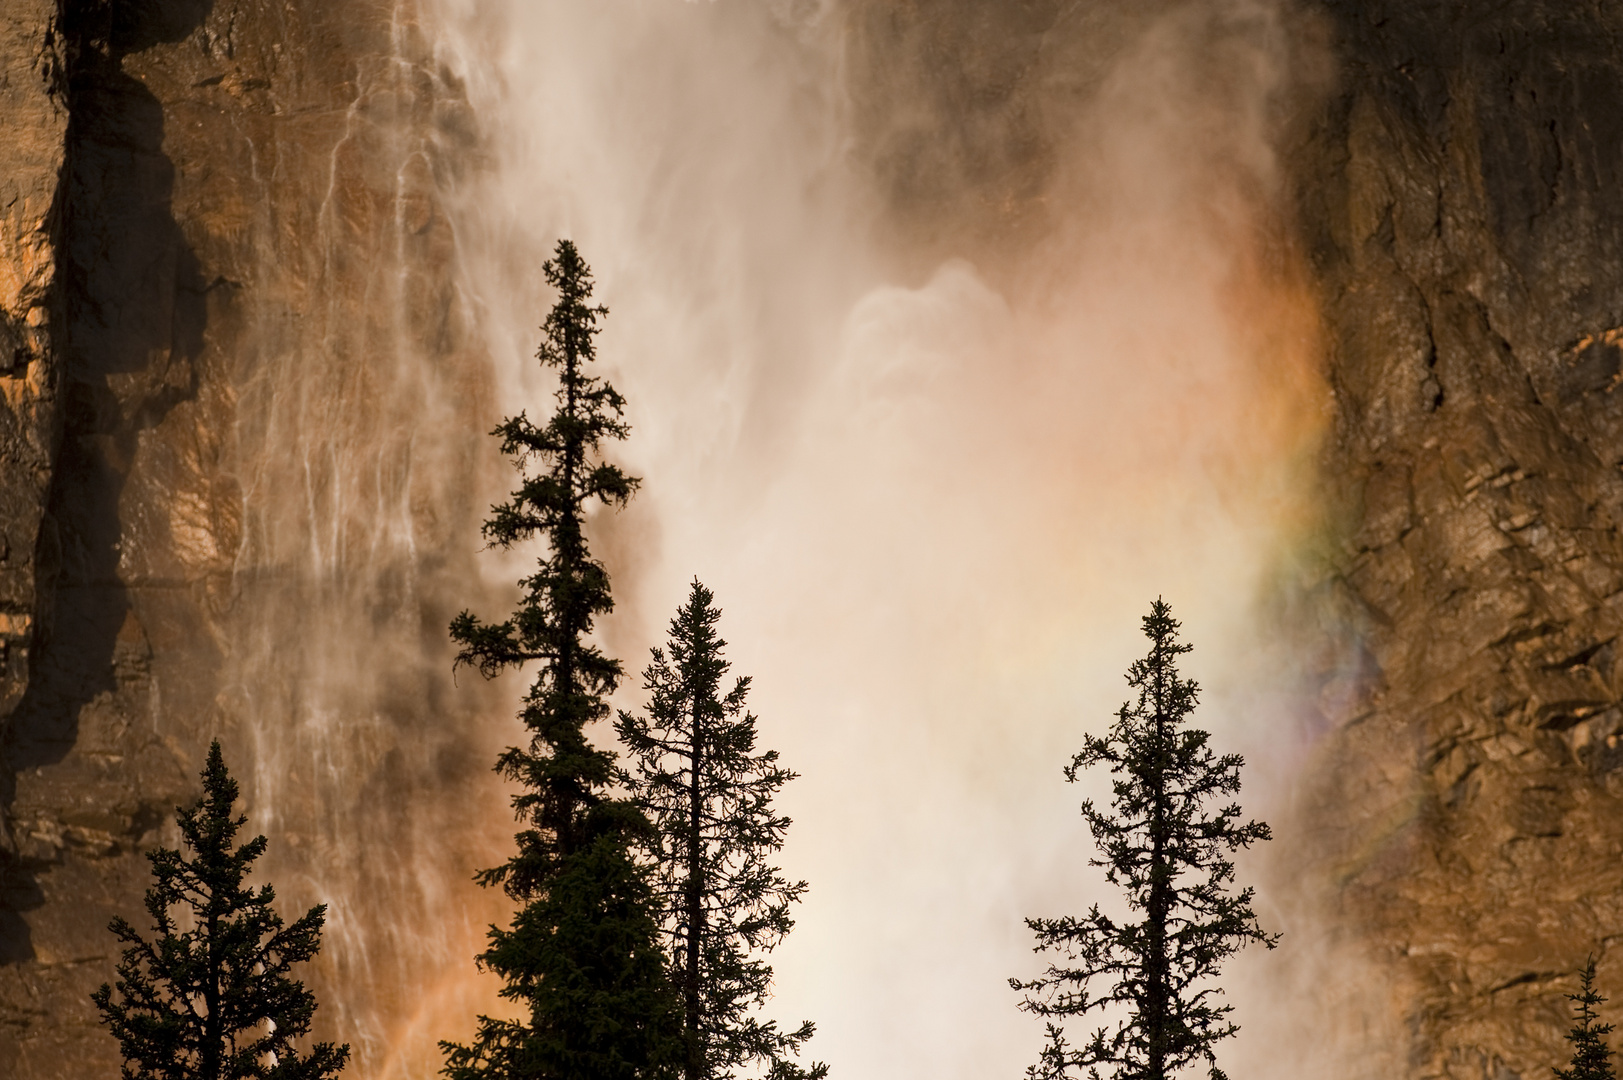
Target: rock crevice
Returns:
[[1458, 200]]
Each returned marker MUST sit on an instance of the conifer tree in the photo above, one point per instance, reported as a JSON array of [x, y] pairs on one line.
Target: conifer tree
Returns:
[[709, 795], [1591, 1058], [1169, 851], [210, 997], [582, 955]]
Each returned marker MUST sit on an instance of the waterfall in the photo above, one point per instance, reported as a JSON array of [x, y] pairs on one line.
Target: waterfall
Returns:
[[952, 335], [360, 413], [953, 332]]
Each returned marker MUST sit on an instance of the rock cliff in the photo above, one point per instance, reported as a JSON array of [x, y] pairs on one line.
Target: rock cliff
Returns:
[[234, 373], [1459, 200], [229, 346], [31, 57]]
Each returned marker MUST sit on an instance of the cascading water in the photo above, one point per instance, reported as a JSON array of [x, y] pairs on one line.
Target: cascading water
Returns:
[[364, 472], [953, 332], [952, 336]]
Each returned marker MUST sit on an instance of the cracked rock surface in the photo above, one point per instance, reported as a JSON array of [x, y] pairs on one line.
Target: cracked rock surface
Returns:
[[177, 177], [1460, 202], [191, 196]]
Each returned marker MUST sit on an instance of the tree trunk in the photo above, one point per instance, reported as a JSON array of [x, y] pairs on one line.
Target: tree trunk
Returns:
[[213, 1034], [695, 899], [1158, 994]]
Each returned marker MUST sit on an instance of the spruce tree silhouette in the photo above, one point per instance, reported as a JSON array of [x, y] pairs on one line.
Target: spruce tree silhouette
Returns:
[[582, 955], [709, 794], [209, 997], [1591, 1058], [1169, 853]]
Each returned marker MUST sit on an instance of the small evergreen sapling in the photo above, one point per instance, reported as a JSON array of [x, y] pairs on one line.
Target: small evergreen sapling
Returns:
[[1591, 1058], [1168, 851], [582, 956], [209, 997], [709, 794]]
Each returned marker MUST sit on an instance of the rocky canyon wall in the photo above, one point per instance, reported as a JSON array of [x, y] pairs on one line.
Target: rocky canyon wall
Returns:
[[237, 492], [1459, 201], [237, 384]]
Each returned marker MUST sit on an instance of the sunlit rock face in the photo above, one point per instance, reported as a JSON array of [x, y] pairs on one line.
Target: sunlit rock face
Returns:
[[1460, 201], [240, 478], [238, 491], [36, 123]]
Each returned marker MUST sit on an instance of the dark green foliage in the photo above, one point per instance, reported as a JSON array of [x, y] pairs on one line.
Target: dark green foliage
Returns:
[[710, 797], [582, 955], [583, 958], [1169, 854], [209, 998], [560, 771], [1591, 1058]]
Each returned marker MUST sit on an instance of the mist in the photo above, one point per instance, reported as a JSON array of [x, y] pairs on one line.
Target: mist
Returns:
[[953, 334]]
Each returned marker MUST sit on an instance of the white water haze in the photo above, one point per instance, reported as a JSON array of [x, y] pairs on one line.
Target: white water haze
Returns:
[[950, 341], [937, 378]]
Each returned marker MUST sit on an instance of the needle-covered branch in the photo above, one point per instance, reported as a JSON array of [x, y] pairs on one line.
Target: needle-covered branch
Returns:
[[216, 1001], [709, 793], [1591, 1057], [582, 955], [1169, 852]]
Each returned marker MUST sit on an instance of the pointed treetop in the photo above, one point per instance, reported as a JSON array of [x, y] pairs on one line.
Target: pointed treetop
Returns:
[[573, 322], [211, 994], [1167, 841], [1591, 1057], [709, 792]]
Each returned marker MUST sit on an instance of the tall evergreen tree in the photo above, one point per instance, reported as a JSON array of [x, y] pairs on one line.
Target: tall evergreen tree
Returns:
[[709, 794], [1168, 851], [210, 997], [1591, 1057], [582, 955]]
